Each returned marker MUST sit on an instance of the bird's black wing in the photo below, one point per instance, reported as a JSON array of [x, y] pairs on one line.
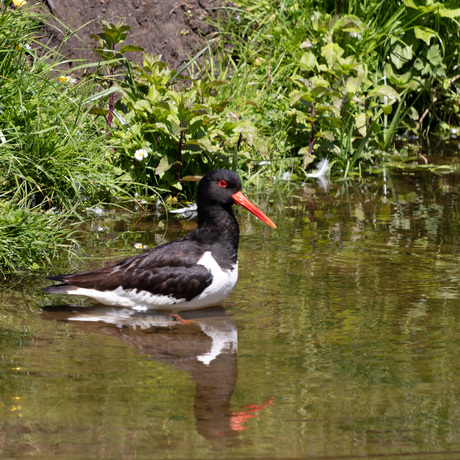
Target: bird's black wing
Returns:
[[170, 269]]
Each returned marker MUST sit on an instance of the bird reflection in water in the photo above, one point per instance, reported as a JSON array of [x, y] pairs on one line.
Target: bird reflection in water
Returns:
[[207, 350]]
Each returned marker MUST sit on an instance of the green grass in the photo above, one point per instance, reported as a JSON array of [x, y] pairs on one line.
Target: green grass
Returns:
[[54, 154]]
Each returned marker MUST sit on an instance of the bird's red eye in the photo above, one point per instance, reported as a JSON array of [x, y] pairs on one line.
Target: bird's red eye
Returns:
[[222, 183]]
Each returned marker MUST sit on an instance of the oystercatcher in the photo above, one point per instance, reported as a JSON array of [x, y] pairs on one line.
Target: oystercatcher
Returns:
[[193, 272]]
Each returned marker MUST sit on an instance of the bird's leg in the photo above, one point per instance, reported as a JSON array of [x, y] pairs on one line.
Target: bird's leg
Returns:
[[177, 317]]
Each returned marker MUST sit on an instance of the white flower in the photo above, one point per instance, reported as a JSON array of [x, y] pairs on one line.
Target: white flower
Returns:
[[138, 245], [140, 154], [356, 35]]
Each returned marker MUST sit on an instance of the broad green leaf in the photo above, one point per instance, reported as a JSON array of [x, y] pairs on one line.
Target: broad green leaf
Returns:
[[135, 129], [387, 109], [203, 142], [434, 55], [142, 105], [248, 130], [352, 84], [399, 55], [410, 4], [163, 166], [296, 96], [319, 81], [331, 53], [99, 111], [329, 135], [361, 125], [153, 95], [308, 157], [308, 61], [449, 13], [413, 114], [349, 23], [384, 91], [165, 129], [425, 34]]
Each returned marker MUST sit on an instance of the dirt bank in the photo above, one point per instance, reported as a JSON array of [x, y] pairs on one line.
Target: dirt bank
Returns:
[[176, 29]]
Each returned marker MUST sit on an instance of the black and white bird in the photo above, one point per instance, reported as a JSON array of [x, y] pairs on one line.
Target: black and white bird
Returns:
[[193, 272]]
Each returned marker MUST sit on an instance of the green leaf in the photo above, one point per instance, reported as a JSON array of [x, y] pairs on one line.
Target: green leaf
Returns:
[[449, 13], [352, 84], [308, 61], [209, 88], [142, 105], [153, 95], [248, 130], [399, 55], [99, 111], [307, 157], [129, 48], [361, 124], [387, 109], [434, 55], [296, 96], [425, 34], [163, 166], [203, 142], [384, 91], [102, 94], [331, 52]]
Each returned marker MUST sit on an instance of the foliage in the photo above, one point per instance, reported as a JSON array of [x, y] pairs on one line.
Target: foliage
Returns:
[[51, 152], [30, 240], [180, 126], [355, 74], [111, 36]]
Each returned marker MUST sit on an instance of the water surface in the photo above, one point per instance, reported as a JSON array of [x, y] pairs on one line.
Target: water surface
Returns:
[[341, 339]]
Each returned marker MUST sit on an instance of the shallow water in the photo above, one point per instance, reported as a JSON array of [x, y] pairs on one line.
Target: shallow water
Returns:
[[341, 340]]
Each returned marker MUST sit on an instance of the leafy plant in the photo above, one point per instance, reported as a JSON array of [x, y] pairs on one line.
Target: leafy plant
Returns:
[[357, 74], [111, 36], [181, 126]]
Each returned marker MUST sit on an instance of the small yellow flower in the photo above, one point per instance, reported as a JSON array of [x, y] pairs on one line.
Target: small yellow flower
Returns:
[[20, 3], [64, 79]]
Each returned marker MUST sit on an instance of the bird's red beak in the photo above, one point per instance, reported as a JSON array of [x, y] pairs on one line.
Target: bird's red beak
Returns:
[[251, 207]]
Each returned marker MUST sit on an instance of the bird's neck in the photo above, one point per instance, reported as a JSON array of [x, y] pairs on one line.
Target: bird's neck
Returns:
[[218, 230]]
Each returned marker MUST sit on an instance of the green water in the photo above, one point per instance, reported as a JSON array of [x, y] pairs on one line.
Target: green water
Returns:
[[341, 340]]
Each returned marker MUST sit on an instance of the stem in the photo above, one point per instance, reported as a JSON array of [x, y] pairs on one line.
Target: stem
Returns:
[[312, 138], [110, 117], [179, 155]]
